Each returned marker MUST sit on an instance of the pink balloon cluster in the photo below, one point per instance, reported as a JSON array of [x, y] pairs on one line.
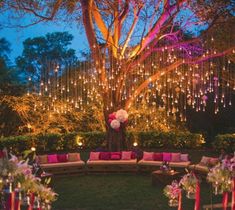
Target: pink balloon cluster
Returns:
[[116, 118]]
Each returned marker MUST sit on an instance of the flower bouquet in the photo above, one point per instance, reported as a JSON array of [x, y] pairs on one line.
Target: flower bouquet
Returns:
[[221, 177], [172, 192], [165, 168], [189, 184], [17, 179]]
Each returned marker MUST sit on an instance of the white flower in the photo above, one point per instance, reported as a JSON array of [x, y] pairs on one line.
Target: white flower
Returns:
[[115, 124], [121, 115]]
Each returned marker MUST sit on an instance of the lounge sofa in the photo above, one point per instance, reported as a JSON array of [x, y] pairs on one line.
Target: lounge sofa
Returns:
[[59, 164], [152, 161], [124, 161], [204, 165]]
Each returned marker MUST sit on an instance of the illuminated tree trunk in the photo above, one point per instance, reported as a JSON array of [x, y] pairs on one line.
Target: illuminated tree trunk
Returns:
[[116, 140]]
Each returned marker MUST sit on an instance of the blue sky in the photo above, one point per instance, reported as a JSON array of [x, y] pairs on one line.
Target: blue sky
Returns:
[[17, 36]]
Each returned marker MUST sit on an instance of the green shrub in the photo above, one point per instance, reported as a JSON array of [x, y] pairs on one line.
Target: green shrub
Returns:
[[174, 140], [50, 143], [225, 141]]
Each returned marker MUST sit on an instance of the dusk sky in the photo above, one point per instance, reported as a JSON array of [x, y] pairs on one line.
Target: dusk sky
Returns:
[[17, 36]]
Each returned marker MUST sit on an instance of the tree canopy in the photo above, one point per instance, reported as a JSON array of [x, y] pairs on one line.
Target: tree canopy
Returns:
[[39, 52]]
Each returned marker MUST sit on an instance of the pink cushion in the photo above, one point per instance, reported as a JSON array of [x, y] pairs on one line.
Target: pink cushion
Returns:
[[105, 156], [133, 155], [94, 156], [184, 157], [158, 156], [52, 158], [205, 160], [148, 156], [62, 158], [166, 156], [73, 157], [175, 157], [126, 155], [115, 156]]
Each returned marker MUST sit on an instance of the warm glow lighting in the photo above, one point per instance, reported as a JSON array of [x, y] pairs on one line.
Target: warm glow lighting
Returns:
[[79, 141], [135, 144], [80, 144], [33, 149]]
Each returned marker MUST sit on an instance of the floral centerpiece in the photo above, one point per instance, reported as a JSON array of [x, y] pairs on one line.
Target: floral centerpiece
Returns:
[[189, 184], [221, 176], [165, 167], [117, 118], [17, 178], [172, 192]]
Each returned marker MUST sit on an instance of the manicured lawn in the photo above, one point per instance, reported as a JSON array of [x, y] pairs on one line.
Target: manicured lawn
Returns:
[[121, 191], [116, 192]]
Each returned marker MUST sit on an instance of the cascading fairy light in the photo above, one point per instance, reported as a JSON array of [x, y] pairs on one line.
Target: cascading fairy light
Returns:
[[77, 85]]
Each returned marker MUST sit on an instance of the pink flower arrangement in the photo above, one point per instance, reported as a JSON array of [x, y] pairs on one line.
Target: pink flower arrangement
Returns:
[[172, 191]]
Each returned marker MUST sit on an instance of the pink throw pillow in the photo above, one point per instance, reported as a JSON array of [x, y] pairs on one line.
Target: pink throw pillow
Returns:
[[166, 156], [62, 158], [157, 156], [148, 156], [52, 158], [94, 156], [105, 156], [205, 160], [115, 156], [133, 155], [184, 157], [175, 157], [126, 155]]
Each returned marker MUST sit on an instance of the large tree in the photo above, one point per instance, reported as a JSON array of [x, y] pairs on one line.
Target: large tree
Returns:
[[10, 83], [135, 43], [45, 52]]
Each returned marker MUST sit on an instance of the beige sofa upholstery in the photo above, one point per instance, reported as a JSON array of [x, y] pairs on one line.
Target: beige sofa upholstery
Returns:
[[199, 168], [64, 168], [112, 165], [145, 165]]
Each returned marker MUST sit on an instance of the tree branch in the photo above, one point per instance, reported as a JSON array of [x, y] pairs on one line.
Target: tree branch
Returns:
[[170, 68]]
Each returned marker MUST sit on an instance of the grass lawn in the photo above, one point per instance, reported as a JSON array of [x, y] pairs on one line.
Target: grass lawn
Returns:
[[117, 192], [120, 192]]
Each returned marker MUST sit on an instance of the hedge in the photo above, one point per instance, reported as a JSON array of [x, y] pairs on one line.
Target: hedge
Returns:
[[225, 142], [48, 143]]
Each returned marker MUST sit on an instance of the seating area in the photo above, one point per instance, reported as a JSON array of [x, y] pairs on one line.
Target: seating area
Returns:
[[204, 164], [59, 164], [125, 161]]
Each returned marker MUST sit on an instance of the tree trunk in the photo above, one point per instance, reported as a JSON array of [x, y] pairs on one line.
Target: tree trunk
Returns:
[[116, 140]]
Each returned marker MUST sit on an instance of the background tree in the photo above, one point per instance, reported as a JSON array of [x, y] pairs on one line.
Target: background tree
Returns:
[[9, 77], [45, 52], [137, 43]]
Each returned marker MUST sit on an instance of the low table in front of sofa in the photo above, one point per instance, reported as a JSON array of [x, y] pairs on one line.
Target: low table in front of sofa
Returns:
[[161, 177]]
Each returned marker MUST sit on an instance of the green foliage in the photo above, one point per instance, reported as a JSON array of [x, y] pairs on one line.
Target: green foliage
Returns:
[[49, 143], [46, 52], [9, 76], [225, 142], [17, 112], [177, 140]]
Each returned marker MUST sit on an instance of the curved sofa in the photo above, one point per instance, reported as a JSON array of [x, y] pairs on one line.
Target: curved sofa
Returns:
[[59, 164], [152, 161], [204, 165], [124, 161]]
